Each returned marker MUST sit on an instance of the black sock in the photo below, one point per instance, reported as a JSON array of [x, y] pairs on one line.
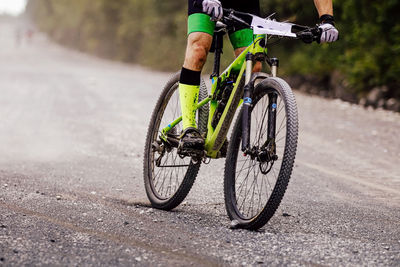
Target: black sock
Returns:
[[190, 77]]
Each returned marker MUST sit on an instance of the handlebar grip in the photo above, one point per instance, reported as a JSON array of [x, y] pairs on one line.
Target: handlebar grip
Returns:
[[318, 35], [306, 37], [311, 35]]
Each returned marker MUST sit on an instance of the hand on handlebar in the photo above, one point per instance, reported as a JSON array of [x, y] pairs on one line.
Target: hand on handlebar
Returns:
[[308, 35], [328, 33], [213, 8]]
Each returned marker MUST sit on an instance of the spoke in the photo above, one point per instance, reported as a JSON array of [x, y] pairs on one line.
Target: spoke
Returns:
[[260, 194], [246, 179], [254, 189], [280, 138], [242, 169], [177, 180], [158, 173], [256, 118], [264, 112], [170, 177], [280, 109], [246, 193], [280, 126], [260, 189], [247, 158], [163, 178], [275, 178], [167, 175], [266, 185]]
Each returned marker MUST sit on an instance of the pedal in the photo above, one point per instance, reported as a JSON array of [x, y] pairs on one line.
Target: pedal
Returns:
[[196, 155]]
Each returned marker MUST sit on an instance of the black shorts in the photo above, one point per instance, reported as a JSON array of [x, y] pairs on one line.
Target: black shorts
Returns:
[[239, 34]]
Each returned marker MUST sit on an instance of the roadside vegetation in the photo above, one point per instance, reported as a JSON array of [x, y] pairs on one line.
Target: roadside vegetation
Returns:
[[363, 66]]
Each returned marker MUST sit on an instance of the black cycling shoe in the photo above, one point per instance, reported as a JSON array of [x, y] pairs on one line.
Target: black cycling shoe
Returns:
[[191, 143]]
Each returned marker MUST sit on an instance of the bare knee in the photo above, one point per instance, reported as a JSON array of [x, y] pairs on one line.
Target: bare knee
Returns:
[[197, 50], [257, 66]]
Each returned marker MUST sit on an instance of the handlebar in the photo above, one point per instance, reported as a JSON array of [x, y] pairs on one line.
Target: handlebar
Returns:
[[308, 34], [304, 33]]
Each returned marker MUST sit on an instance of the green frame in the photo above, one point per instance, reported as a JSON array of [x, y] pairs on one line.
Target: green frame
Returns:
[[237, 66]]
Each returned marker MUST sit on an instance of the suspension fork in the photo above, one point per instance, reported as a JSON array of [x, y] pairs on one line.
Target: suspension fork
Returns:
[[247, 104], [272, 99], [272, 103], [247, 101]]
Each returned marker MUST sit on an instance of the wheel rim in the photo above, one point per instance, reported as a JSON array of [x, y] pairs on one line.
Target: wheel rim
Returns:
[[165, 181], [253, 188]]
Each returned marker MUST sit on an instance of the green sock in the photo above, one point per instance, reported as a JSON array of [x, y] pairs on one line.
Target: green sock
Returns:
[[188, 95]]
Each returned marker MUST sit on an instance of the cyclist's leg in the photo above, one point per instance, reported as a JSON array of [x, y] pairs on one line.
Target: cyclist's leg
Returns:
[[196, 53], [241, 37], [200, 31]]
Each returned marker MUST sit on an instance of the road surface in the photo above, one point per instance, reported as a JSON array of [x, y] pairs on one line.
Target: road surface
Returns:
[[72, 134]]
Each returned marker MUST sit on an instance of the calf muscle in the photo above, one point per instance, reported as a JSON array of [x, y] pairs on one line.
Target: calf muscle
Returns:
[[198, 45]]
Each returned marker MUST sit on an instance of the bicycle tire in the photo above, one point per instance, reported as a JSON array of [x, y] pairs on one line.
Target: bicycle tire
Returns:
[[183, 186], [232, 202]]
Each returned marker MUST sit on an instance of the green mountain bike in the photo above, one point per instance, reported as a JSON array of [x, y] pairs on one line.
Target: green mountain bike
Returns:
[[262, 148]]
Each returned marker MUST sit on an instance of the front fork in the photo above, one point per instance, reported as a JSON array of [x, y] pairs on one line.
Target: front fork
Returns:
[[247, 105]]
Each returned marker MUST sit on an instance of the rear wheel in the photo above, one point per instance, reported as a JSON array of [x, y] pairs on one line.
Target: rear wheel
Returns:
[[255, 184], [168, 178]]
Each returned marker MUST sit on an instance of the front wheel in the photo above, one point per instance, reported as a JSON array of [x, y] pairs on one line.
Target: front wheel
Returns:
[[254, 184]]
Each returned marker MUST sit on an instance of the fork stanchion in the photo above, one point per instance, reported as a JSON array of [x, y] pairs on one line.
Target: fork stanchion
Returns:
[[274, 66], [246, 115]]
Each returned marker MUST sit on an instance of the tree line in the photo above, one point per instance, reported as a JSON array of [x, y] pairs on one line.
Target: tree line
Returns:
[[365, 61]]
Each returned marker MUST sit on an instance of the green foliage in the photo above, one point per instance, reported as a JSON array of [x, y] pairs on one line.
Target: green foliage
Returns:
[[371, 42], [147, 32], [152, 33], [368, 52]]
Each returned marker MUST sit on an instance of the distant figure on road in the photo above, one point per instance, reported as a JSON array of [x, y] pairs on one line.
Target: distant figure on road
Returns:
[[18, 37], [29, 35]]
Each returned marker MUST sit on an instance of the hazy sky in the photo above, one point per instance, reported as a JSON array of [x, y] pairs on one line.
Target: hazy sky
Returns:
[[13, 7]]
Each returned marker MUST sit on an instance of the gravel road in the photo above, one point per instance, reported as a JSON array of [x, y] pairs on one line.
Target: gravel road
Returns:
[[72, 134]]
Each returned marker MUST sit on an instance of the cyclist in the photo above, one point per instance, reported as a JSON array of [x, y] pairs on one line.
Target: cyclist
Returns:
[[201, 23]]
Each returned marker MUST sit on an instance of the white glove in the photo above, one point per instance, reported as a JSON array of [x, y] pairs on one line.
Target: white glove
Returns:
[[213, 8], [329, 33]]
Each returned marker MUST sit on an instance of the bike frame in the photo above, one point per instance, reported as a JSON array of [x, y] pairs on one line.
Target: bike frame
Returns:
[[216, 136]]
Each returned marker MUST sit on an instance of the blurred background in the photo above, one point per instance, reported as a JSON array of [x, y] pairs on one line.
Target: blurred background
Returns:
[[362, 67]]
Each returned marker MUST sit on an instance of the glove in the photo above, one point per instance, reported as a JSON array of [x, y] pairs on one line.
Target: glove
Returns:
[[327, 27], [329, 33], [213, 8]]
